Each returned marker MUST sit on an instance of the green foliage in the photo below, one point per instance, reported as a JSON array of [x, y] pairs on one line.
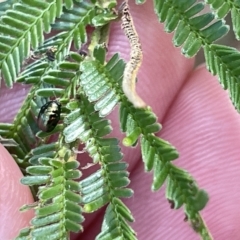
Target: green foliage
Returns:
[[99, 82], [5, 5], [194, 32], [57, 211], [115, 221], [89, 88], [72, 24], [182, 189], [109, 183], [221, 8], [23, 26], [224, 62], [100, 85], [191, 31]]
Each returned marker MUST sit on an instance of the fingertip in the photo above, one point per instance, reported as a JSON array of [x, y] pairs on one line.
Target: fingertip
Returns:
[[13, 196]]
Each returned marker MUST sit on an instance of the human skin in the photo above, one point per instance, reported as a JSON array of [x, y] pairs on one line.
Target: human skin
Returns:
[[198, 119]]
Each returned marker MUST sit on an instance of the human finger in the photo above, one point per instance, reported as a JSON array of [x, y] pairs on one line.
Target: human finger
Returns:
[[13, 196]]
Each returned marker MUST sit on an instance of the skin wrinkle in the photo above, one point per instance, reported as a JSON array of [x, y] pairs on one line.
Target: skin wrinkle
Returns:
[[214, 178], [183, 82], [8, 98]]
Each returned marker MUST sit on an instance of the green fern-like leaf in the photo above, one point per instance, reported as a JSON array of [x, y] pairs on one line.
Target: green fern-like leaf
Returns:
[[44, 77], [58, 210], [5, 5], [100, 85], [72, 25], [23, 25], [106, 186], [100, 81], [157, 154], [224, 62], [191, 31], [109, 183], [114, 223], [182, 189], [221, 9], [104, 18]]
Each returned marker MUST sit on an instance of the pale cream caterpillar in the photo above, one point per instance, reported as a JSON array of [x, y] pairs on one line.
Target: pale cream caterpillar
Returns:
[[132, 67]]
